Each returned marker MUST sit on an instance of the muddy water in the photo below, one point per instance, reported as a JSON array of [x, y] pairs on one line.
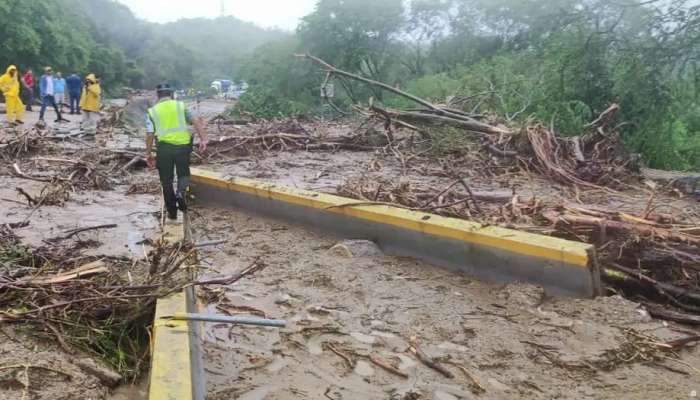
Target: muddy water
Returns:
[[370, 304], [134, 216]]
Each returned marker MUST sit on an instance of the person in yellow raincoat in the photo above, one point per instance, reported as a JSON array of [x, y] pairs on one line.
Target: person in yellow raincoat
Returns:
[[9, 85], [90, 100]]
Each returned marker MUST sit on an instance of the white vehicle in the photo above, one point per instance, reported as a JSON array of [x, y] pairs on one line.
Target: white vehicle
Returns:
[[223, 89]]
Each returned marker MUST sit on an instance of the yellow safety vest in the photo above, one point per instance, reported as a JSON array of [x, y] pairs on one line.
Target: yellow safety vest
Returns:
[[169, 122]]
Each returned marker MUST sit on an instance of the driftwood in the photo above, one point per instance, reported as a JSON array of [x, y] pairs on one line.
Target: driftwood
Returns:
[[661, 313], [387, 367], [69, 234], [254, 267], [85, 271], [466, 123], [662, 287], [644, 230], [427, 360]]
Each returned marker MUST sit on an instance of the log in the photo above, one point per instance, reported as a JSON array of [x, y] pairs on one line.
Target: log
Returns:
[[462, 122], [625, 227], [674, 316], [661, 286], [445, 115], [499, 152], [105, 374]]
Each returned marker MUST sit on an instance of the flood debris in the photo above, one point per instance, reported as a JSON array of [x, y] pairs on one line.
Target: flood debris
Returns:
[[98, 305], [592, 173], [584, 188]]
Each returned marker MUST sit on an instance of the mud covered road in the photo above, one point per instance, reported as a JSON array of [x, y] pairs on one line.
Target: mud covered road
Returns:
[[351, 308]]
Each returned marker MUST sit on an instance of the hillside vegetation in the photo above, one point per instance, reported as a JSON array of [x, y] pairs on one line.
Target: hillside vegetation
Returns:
[[104, 37], [561, 62]]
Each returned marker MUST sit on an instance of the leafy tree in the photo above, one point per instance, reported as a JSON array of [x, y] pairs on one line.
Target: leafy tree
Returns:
[[356, 35]]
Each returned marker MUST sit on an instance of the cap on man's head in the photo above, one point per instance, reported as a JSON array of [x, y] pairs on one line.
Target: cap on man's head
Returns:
[[48, 69], [164, 88]]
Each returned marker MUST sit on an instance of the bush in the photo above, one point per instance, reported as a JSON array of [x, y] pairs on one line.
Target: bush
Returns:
[[263, 102]]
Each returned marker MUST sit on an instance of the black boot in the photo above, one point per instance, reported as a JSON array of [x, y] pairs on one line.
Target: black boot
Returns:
[[181, 203], [172, 214]]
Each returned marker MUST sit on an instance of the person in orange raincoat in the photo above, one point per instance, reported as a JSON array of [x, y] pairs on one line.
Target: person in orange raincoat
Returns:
[[9, 85]]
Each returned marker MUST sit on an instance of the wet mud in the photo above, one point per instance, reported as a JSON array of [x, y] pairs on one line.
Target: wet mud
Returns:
[[348, 304]]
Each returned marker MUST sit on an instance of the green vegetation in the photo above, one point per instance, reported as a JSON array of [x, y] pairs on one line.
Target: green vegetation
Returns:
[[105, 38], [558, 61], [279, 86]]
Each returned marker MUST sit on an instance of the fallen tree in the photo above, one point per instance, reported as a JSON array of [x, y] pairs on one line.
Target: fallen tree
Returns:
[[593, 160]]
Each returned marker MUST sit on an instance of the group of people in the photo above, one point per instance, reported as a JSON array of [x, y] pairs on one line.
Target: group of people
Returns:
[[84, 96], [166, 123]]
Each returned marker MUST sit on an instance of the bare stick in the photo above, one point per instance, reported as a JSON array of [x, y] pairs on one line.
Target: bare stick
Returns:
[[349, 361], [429, 361], [254, 267], [74, 232], [21, 174], [387, 367], [18, 366], [477, 387], [471, 194]]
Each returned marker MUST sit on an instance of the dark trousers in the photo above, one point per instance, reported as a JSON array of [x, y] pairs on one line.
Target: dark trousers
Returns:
[[170, 158], [49, 101], [29, 98], [74, 99]]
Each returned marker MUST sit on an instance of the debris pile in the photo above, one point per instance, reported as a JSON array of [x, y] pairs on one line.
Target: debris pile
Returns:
[[15, 143], [101, 305], [645, 253], [287, 135], [667, 247]]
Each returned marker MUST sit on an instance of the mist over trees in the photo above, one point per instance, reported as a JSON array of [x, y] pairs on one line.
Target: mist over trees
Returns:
[[561, 62], [104, 37]]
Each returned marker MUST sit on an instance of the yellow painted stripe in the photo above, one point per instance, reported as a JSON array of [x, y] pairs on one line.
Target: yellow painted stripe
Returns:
[[171, 372], [569, 252], [171, 363]]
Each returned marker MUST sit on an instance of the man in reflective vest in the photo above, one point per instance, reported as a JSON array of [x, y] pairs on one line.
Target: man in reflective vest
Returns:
[[167, 126]]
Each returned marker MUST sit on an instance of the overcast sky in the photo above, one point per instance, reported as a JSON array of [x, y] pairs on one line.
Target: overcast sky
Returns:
[[266, 13]]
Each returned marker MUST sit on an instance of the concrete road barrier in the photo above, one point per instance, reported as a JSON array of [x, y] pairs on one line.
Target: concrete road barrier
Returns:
[[489, 253], [176, 364]]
